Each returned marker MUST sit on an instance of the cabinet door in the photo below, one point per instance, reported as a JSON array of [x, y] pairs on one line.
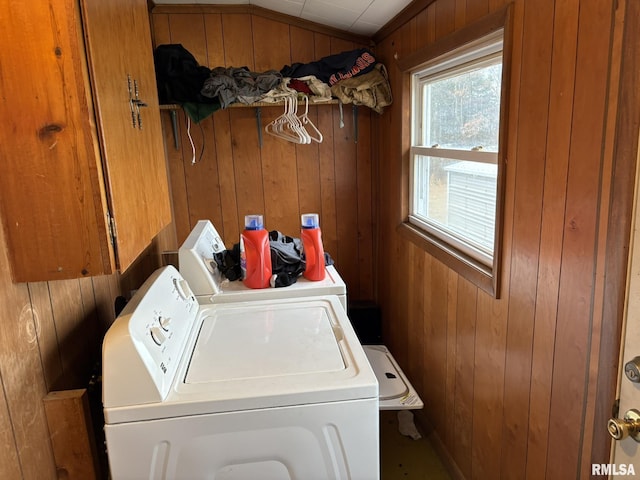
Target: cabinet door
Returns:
[[51, 203], [120, 55]]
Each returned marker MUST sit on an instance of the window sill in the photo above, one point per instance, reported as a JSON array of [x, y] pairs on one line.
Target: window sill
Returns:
[[480, 275]]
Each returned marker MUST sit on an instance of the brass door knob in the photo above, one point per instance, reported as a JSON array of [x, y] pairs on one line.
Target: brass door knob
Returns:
[[629, 426]]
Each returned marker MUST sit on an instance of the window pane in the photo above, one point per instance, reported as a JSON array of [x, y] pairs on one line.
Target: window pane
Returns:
[[463, 110], [457, 197]]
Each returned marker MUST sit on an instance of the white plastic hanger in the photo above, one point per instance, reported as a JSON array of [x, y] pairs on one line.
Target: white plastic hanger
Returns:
[[281, 126], [292, 128], [306, 122]]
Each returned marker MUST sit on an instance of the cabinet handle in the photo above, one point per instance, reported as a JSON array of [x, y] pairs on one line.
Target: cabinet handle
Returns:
[[138, 104], [135, 103]]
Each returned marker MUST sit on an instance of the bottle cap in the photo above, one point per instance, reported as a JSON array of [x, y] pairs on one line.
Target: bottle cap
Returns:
[[253, 222], [310, 220]]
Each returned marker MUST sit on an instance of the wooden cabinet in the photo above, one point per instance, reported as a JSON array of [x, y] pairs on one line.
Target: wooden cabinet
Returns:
[[80, 140]]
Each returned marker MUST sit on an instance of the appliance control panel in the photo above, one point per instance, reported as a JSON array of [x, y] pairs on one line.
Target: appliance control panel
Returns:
[[196, 258], [159, 323]]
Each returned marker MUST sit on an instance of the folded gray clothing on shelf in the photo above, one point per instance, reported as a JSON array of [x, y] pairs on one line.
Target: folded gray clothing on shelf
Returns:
[[233, 84]]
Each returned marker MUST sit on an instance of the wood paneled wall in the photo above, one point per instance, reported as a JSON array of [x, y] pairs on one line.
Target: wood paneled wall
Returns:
[[50, 339], [234, 176], [509, 384]]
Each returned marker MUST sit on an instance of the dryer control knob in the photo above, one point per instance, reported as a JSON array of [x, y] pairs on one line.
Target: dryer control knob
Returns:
[[184, 291]]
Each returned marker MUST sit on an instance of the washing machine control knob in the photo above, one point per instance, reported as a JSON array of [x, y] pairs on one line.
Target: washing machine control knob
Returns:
[[157, 336], [164, 322]]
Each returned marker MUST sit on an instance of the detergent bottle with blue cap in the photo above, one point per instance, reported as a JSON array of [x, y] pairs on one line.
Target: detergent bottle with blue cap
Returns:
[[255, 254], [311, 237]]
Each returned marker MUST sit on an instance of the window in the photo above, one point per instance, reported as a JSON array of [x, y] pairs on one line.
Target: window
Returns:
[[454, 152], [455, 166]]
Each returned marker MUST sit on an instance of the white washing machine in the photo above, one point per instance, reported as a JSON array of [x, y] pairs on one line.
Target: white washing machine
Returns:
[[276, 389], [197, 266]]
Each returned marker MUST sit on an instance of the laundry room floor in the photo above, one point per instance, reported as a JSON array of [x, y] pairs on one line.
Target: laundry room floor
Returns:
[[402, 457]]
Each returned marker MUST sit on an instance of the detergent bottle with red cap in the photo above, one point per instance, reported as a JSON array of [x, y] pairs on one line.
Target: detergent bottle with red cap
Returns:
[[255, 254], [311, 237]]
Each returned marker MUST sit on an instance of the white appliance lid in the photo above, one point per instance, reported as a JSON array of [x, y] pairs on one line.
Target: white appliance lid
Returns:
[[254, 355], [241, 343]]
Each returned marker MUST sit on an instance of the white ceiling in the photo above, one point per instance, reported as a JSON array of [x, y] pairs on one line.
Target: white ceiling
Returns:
[[362, 17]]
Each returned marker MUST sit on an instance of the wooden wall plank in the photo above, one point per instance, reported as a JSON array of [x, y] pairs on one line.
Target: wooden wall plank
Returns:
[[9, 460], [188, 29], [390, 127], [422, 29], [247, 164], [452, 278], [271, 44], [445, 17], [436, 291], [326, 163], [238, 46], [476, 9], [488, 381], [536, 55], [90, 319], [346, 207], [160, 30], [105, 295], [307, 156], [431, 23], [215, 42], [460, 13], [465, 365], [231, 222], [203, 192], [576, 290], [419, 303], [71, 328], [562, 83], [365, 204], [308, 171], [279, 167], [46, 330], [176, 169], [345, 173]]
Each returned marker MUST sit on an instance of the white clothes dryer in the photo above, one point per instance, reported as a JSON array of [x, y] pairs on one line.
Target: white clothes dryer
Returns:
[[274, 390], [196, 264]]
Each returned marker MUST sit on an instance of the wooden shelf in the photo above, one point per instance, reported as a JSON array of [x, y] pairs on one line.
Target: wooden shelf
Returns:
[[333, 101]]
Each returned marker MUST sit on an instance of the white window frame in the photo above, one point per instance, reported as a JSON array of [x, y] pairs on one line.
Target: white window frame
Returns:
[[483, 52]]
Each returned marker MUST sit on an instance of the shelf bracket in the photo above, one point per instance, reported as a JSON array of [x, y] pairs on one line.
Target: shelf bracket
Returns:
[[174, 126], [355, 123], [259, 125]]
